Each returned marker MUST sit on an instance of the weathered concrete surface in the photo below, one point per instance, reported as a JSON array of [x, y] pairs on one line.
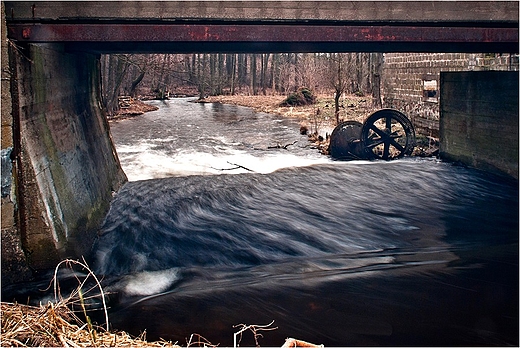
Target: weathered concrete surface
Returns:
[[479, 119], [67, 166], [363, 11], [14, 263]]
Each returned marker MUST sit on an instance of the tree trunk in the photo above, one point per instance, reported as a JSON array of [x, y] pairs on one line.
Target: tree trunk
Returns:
[[220, 73], [242, 70], [263, 75], [233, 72], [212, 74], [254, 83], [336, 104], [274, 63], [136, 82], [116, 71], [376, 80]]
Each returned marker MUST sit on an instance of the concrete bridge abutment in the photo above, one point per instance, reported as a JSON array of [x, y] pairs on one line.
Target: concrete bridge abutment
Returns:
[[479, 120], [65, 169]]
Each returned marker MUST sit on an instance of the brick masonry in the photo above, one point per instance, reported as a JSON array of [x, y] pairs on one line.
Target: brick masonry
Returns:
[[406, 74]]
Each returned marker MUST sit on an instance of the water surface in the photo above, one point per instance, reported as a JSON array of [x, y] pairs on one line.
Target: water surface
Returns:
[[408, 252]]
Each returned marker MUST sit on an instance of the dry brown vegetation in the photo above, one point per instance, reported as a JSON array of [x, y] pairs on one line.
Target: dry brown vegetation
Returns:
[[352, 107], [130, 107], [55, 325]]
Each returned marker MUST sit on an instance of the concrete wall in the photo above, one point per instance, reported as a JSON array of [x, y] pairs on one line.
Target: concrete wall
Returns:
[[65, 167], [479, 120], [404, 76], [14, 265]]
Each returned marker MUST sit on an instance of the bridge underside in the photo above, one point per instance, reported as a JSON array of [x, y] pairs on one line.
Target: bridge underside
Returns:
[[268, 37]]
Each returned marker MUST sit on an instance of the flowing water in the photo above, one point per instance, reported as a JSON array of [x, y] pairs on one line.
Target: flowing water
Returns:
[[216, 228]]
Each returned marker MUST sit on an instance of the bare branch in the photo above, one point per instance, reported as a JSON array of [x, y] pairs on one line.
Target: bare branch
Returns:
[[254, 329], [280, 146]]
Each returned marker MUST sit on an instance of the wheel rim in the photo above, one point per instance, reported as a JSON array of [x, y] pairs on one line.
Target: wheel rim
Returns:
[[388, 134]]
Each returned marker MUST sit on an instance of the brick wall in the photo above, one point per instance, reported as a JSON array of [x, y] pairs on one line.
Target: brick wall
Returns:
[[409, 79]]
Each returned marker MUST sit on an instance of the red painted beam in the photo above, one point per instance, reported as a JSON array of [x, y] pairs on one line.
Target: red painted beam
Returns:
[[256, 33]]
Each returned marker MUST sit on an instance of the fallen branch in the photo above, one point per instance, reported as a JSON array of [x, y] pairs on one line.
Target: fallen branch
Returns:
[[236, 166], [239, 166], [279, 146]]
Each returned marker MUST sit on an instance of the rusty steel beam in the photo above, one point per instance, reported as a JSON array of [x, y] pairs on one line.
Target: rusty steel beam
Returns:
[[256, 33]]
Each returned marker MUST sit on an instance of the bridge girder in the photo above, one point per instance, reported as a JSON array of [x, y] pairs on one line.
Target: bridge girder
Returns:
[[186, 38], [268, 26]]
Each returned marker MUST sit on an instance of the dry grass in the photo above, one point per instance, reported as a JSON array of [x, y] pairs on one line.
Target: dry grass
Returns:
[[55, 325]]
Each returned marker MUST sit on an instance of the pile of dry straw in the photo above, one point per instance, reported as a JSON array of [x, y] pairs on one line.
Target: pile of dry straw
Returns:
[[57, 325], [52, 325]]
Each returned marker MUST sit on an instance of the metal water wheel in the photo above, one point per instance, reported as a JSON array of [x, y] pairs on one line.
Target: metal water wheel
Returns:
[[386, 134], [345, 142]]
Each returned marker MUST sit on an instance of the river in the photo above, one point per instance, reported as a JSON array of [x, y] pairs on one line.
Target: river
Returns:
[[220, 226]]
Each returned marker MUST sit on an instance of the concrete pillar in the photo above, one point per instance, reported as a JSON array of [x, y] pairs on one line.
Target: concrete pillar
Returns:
[[66, 165], [479, 119], [14, 263]]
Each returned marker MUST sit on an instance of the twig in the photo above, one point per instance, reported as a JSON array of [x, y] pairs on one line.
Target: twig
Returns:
[[239, 166], [83, 264], [254, 329], [199, 340]]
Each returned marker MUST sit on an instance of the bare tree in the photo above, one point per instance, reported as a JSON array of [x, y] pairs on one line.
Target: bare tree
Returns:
[[376, 67], [218, 73], [115, 68], [338, 78]]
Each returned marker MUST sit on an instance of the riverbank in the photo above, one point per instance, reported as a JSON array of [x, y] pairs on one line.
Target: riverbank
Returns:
[[319, 118], [130, 107], [320, 115], [55, 325]]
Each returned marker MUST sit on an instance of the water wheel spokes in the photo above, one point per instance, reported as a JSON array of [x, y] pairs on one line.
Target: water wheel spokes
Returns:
[[388, 134]]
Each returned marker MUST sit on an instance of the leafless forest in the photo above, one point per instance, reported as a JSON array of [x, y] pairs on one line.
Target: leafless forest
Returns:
[[161, 75]]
